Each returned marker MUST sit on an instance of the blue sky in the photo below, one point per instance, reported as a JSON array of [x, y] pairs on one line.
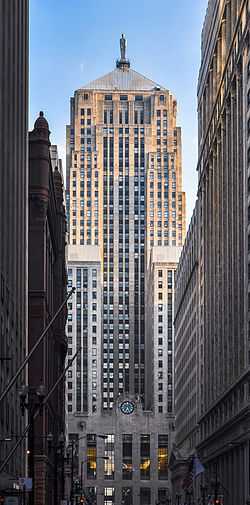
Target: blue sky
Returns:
[[75, 41]]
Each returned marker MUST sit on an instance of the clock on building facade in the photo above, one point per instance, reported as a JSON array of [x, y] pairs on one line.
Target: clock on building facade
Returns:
[[127, 407]]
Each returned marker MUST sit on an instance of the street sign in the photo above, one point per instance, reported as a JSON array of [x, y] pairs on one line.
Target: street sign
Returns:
[[11, 500], [25, 482]]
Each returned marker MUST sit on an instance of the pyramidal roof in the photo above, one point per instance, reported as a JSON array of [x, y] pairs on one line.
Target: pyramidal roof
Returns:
[[123, 79]]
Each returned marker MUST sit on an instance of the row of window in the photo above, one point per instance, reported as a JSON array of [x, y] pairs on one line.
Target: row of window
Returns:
[[128, 463], [137, 98], [126, 495], [85, 112]]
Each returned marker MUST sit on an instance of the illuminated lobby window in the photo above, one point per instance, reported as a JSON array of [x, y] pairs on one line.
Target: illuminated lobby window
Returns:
[[127, 457], [109, 452], [91, 456], [145, 457], [162, 457], [109, 495]]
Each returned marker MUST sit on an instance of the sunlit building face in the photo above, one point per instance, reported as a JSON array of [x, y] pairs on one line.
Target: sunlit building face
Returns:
[[125, 196], [125, 204]]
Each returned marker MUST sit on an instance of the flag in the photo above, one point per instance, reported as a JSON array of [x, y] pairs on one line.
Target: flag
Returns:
[[188, 480], [198, 467]]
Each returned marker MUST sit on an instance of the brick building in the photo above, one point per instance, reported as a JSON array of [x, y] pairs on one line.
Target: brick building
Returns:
[[47, 290]]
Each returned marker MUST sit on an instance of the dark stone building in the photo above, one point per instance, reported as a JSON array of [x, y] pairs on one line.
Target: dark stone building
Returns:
[[47, 291], [212, 322], [13, 222], [224, 245]]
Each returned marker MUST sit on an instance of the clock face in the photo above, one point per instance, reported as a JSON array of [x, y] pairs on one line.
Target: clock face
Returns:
[[127, 407]]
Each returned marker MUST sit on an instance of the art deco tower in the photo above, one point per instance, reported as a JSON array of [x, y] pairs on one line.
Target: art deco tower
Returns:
[[124, 198], [124, 194]]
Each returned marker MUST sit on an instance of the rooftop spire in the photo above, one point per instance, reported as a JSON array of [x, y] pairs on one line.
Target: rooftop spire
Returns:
[[123, 63]]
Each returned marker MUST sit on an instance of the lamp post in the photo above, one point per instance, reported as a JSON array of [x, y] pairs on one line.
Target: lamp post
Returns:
[[31, 399], [58, 448]]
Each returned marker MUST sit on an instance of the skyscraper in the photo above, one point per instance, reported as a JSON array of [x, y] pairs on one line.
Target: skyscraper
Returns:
[[13, 216], [124, 197], [223, 253]]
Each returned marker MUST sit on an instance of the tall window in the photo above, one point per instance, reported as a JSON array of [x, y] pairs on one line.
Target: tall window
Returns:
[[91, 456], [145, 496], [109, 495], [145, 457], [162, 457], [163, 495], [109, 452], [91, 494], [127, 496], [127, 457], [170, 283]]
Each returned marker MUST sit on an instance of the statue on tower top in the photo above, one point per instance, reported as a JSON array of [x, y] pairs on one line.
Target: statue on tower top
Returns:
[[123, 63], [123, 47]]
